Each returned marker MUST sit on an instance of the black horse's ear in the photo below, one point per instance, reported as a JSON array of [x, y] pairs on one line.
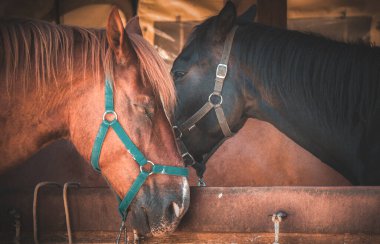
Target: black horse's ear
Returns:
[[248, 16], [133, 26], [225, 20]]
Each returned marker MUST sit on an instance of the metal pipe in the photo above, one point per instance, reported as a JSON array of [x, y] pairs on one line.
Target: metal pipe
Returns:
[[17, 224], [67, 213], [36, 189]]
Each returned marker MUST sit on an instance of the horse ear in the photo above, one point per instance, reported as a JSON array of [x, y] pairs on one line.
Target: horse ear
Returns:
[[248, 16], [117, 37], [133, 26], [225, 20]]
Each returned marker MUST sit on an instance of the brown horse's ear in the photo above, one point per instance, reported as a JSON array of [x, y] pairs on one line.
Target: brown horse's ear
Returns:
[[117, 37], [225, 20], [133, 26]]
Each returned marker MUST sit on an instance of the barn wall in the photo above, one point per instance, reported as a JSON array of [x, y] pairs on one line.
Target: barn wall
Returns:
[[320, 214], [60, 162]]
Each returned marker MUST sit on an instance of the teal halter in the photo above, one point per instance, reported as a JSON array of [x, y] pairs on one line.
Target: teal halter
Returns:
[[132, 149]]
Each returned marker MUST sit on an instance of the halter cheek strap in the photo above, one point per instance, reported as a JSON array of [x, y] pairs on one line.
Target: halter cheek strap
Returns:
[[215, 101], [132, 149]]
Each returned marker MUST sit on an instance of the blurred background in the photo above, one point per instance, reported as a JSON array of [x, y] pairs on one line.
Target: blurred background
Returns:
[[166, 24]]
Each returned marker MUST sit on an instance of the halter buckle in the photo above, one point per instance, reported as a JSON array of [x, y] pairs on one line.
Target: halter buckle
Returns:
[[177, 132], [187, 157], [201, 182], [221, 71], [220, 99], [149, 171]]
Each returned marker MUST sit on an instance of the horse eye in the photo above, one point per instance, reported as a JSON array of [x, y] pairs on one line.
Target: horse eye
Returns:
[[178, 74], [147, 109], [149, 112]]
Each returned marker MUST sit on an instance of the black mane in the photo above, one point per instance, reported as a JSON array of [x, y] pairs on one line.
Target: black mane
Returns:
[[338, 82]]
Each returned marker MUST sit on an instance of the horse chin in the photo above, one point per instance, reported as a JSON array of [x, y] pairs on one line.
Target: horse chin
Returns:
[[140, 223], [164, 229], [145, 228]]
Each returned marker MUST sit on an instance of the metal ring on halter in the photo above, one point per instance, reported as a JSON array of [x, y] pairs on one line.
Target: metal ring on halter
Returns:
[[175, 128], [109, 112], [187, 154], [142, 169], [218, 95]]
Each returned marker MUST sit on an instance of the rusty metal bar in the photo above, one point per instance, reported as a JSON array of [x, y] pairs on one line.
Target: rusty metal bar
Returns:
[[66, 205], [35, 202]]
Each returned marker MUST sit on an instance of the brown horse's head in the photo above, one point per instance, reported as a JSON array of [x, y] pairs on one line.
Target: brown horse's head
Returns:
[[52, 86], [143, 93]]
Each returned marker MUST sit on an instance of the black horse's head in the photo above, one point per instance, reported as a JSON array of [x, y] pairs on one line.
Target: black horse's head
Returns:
[[194, 73]]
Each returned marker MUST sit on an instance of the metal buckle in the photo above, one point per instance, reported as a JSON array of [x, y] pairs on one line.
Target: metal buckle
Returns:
[[149, 172], [186, 156], [201, 182], [177, 132], [218, 95], [109, 112], [221, 71]]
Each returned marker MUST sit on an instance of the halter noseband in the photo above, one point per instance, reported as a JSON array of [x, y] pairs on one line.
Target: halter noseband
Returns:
[[131, 148], [215, 101]]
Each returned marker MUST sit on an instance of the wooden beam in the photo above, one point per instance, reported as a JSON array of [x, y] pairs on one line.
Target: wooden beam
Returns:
[[272, 12], [178, 237], [324, 210]]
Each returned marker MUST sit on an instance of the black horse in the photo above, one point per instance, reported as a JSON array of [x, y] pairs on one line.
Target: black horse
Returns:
[[323, 94]]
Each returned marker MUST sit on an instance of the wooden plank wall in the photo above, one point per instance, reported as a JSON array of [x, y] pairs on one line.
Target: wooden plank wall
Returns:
[[321, 211], [272, 12]]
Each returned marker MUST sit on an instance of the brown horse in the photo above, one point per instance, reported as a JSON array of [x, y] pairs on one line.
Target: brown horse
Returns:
[[260, 155], [52, 87]]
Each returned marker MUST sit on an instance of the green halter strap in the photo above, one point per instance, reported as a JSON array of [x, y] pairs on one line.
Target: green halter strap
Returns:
[[132, 149]]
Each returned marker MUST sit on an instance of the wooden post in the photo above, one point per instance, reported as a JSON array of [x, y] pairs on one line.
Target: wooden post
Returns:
[[272, 12]]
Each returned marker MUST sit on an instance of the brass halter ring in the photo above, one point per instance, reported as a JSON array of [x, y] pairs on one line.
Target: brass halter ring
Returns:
[[142, 168]]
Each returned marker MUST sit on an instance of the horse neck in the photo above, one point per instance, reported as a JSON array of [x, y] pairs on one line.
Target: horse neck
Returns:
[[32, 120], [335, 143]]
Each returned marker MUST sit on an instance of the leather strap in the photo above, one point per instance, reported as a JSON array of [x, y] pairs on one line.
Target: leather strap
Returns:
[[189, 123], [223, 121], [221, 73]]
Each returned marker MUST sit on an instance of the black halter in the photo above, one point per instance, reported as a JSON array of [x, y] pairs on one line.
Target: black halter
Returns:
[[215, 101]]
